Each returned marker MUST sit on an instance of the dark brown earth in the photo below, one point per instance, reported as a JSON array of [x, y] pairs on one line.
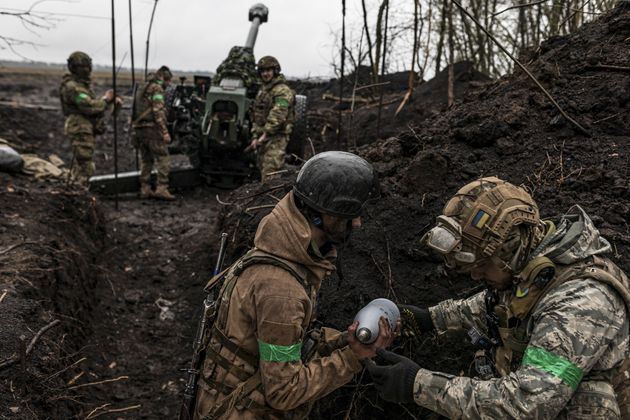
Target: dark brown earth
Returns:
[[126, 285]]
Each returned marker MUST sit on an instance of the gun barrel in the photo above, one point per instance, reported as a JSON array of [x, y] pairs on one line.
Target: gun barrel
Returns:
[[219, 265], [258, 14]]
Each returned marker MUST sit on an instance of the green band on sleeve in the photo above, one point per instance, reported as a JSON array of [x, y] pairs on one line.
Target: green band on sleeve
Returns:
[[158, 97], [281, 102], [277, 353], [558, 366], [81, 97]]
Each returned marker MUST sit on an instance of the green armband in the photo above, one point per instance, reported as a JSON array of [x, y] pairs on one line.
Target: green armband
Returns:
[[555, 365], [277, 353], [281, 102], [158, 97], [81, 97]]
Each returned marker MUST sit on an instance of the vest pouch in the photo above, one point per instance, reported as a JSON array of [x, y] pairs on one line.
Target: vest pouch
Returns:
[[483, 366]]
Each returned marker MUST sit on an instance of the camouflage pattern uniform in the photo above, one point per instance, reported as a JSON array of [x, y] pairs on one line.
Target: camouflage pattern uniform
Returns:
[[240, 64], [273, 115], [83, 113], [150, 127], [264, 316], [558, 345]]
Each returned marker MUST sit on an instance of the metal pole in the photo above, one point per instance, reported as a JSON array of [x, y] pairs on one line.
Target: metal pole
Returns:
[[133, 67], [343, 60], [146, 53], [380, 101], [114, 114]]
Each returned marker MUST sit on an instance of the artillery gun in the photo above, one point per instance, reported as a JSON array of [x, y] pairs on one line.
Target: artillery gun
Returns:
[[209, 121]]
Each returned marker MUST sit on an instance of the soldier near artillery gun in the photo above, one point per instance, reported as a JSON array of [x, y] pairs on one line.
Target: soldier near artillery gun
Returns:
[[273, 116], [84, 115], [551, 330], [262, 357], [150, 134]]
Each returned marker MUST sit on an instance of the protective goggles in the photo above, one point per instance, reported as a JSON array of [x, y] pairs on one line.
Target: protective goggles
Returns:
[[446, 238]]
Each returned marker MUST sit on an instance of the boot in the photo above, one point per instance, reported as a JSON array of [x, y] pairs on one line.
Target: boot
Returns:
[[162, 193], [145, 191]]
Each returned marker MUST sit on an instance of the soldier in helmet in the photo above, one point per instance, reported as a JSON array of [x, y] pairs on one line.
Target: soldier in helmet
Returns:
[[551, 329], [150, 134], [273, 115], [262, 358], [84, 113]]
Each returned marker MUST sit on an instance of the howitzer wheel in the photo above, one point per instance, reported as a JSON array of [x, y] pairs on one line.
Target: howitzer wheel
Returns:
[[300, 128]]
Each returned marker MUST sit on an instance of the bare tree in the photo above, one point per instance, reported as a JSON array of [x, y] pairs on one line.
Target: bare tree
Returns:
[[33, 21]]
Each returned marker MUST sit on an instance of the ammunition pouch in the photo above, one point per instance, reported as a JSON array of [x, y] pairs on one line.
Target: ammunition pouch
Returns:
[[483, 367]]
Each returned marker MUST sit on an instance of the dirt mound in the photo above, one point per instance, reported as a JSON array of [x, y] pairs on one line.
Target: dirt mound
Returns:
[[47, 280], [360, 116], [508, 129]]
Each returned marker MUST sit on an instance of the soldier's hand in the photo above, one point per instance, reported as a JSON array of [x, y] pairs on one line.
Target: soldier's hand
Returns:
[[415, 320], [394, 382], [109, 95], [365, 351], [262, 139], [167, 138], [119, 101]]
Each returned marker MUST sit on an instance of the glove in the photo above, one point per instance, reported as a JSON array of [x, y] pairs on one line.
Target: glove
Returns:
[[394, 382], [415, 320]]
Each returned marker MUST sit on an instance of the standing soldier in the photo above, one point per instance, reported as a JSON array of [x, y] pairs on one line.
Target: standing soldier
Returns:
[[273, 117], [151, 134], [263, 360], [84, 115], [551, 329]]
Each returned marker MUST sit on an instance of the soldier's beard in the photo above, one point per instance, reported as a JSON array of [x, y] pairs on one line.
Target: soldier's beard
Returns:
[[338, 233]]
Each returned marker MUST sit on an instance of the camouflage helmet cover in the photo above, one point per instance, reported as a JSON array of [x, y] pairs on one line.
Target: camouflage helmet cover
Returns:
[[481, 221], [79, 58], [269, 62], [164, 73]]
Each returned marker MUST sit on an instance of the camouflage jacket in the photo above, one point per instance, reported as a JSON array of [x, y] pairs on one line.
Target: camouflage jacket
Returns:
[[576, 336], [274, 108], [82, 109], [151, 106]]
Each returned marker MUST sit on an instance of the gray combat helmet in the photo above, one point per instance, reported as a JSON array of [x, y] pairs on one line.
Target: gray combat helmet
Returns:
[[337, 183]]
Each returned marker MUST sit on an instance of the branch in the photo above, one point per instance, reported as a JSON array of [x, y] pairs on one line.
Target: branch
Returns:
[[105, 381], [12, 360], [518, 6]]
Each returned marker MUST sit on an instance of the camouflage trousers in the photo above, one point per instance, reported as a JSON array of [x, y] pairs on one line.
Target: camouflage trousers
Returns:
[[270, 156], [152, 149], [82, 166]]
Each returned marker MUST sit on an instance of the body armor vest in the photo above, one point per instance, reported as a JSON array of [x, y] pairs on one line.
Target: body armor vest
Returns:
[[142, 115], [511, 321], [70, 107], [216, 338], [264, 103], [508, 325]]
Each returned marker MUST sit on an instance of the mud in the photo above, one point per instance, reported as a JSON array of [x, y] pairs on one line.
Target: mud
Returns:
[[126, 284]]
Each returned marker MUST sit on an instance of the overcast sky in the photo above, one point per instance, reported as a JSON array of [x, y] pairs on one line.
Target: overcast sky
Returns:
[[187, 34]]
